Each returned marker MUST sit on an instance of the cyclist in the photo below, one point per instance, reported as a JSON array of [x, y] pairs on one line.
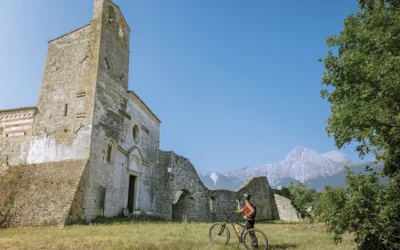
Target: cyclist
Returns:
[[248, 211]]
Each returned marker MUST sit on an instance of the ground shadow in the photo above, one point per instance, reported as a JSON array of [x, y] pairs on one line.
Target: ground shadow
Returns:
[[282, 246]]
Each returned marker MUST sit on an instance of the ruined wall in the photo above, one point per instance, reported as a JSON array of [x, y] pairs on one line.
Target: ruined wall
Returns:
[[180, 191], [282, 191], [286, 210], [44, 193], [261, 196], [174, 174]]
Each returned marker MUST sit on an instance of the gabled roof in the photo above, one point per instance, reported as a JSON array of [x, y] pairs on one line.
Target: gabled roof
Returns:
[[144, 104]]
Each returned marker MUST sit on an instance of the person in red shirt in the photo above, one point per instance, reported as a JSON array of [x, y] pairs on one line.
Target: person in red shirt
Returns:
[[248, 211]]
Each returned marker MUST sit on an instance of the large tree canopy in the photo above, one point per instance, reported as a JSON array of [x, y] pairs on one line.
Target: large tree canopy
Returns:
[[362, 75]]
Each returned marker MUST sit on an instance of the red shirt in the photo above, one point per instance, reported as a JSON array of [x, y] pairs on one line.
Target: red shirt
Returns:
[[247, 208]]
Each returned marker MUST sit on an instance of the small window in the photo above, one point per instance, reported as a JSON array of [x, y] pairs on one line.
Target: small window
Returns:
[[135, 133], [111, 14], [169, 170], [66, 110], [1, 130], [121, 28], [110, 151]]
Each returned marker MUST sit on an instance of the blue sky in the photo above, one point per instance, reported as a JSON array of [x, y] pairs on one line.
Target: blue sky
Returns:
[[235, 83]]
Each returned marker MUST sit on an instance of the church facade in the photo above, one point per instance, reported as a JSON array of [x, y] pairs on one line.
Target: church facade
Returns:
[[86, 124]]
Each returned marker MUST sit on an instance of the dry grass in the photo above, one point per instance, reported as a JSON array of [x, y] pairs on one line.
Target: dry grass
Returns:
[[152, 235]]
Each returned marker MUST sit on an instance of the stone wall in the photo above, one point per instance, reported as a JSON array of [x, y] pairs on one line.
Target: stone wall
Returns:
[[181, 192], [63, 121], [282, 191], [13, 151], [175, 174], [286, 210], [16, 122], [44, 193]]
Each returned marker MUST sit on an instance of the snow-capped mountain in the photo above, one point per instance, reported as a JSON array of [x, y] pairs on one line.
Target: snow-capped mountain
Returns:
[[215, 180], [336, 156], [300, 164]]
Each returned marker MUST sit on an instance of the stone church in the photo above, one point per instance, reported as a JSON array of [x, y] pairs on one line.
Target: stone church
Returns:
[[90, 147], [88, 125]]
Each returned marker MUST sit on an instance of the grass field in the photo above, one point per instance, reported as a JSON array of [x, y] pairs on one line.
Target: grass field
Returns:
[[164, 235]]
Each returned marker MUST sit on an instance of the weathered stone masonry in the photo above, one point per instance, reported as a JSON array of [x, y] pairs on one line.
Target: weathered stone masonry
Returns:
[[90, 146], [85, 113], [180, 193]]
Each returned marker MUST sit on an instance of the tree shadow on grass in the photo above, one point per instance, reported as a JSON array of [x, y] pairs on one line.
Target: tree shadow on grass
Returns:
[[282, 246]]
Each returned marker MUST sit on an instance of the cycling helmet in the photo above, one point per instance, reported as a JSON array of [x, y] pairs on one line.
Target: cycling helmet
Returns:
[[246, 196]]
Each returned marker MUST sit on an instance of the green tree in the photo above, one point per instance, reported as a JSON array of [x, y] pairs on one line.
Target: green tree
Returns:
[[362, 75], [302, 197], [366, 208]]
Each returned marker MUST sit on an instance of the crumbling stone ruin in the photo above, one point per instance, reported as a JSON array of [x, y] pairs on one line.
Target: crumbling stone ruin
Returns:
[[181, 193], [91, 147]]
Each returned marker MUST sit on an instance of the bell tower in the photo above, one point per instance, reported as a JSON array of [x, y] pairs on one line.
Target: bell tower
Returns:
[[111, 90]]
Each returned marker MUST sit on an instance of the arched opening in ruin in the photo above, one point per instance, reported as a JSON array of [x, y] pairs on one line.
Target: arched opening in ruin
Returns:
[[182, 205], [110, 151], [1, 131], [111, 14]]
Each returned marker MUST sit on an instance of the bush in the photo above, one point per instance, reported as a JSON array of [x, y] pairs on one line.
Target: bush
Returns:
[[303, 199], [366, 208]]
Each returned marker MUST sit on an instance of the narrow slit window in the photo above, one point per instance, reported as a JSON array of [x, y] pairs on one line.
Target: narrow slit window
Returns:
[[66, 110], [1, 130], [110, 151], [212, 201]]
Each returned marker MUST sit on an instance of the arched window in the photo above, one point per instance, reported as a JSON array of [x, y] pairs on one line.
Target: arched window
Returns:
[[135, 133], [1, 131], [121, 28], [111, 14], [110, 151]]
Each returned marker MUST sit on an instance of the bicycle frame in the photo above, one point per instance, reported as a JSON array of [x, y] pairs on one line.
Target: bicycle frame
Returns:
[[232, 221]]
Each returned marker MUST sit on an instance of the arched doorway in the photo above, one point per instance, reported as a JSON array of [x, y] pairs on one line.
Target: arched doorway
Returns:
[[182, 204]]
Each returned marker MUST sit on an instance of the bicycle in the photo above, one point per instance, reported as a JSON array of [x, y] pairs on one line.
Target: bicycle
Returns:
[[250, 238]]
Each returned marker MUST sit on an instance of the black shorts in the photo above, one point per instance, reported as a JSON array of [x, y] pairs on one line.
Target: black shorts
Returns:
[[250, 223]]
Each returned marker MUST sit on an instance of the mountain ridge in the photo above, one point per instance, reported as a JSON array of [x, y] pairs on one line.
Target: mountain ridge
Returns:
[[300, 164]]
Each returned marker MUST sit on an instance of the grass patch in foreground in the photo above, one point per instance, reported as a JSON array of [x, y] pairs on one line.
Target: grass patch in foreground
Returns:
[[168, 235]]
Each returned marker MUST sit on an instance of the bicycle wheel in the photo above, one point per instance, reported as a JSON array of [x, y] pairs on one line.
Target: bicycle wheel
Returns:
[[255, 239], [219, 234]]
